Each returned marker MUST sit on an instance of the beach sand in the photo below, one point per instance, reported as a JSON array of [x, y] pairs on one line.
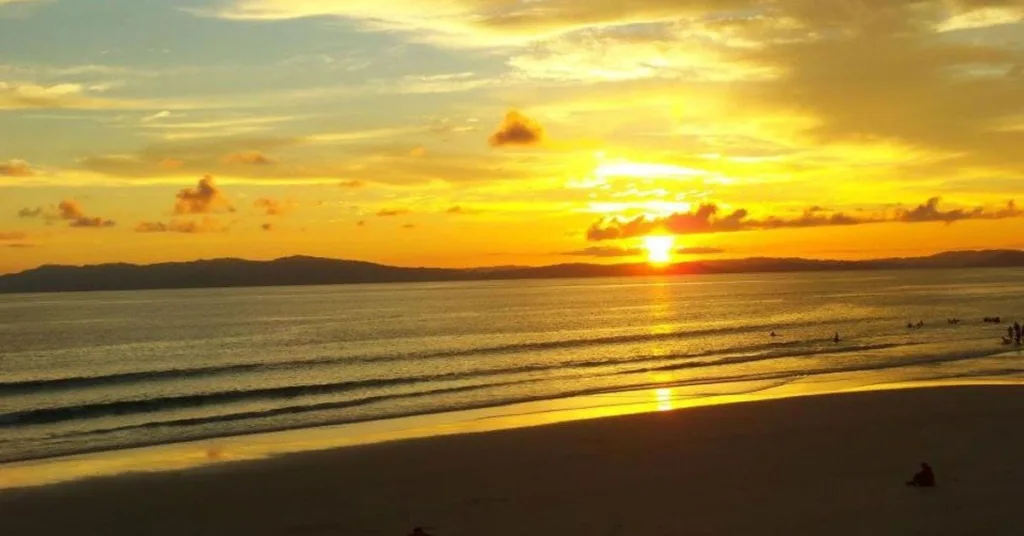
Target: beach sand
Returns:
[[832, 464]]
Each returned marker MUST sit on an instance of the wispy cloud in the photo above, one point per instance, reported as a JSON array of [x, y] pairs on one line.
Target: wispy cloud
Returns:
[[27, 96], [185, 226], [391, 212], [172, 128], [16, 168], [605, 252]]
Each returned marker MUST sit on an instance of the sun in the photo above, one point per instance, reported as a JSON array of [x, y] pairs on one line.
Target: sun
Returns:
[[659, 249]]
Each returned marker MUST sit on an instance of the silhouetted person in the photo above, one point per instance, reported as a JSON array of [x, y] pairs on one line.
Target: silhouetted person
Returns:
[[418, 531], [835, 338], [924, 478], [1017, 332], [773, 334]]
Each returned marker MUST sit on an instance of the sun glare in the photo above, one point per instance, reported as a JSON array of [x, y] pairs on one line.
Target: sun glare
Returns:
[[659, 249]]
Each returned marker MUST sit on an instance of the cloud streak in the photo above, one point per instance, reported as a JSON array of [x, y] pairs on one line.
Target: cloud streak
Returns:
[[709, 218], [392, 212], [185, 226]]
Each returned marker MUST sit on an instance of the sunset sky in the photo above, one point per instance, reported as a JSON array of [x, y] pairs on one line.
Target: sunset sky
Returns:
[[497, 132]]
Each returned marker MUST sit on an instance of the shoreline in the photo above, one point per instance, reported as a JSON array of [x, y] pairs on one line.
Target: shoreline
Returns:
[[265, 445], [831, 463]]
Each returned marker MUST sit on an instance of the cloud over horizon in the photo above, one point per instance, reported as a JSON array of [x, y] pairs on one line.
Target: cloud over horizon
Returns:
[[708, 218]]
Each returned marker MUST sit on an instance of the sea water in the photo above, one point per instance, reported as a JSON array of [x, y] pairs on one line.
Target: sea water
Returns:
[[83, 372]]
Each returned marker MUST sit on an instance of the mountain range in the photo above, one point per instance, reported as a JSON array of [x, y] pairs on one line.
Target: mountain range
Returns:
[[300, 270]]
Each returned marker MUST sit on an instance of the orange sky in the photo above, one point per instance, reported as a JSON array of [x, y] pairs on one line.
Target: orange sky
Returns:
[[483, 132]]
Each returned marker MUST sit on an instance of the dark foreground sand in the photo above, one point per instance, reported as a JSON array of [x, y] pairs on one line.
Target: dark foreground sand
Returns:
[[823, 465]]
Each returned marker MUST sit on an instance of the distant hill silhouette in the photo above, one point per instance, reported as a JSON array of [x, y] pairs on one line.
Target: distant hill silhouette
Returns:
[[320, 271]]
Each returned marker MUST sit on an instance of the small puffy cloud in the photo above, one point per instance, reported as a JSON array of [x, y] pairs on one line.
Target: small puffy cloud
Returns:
[[249, 158], [352, 184], [606, 252], [204, 225], [390, 212], [273, 207], [71, 211], [409, 226], [517, 129], [361, 223], [203, 199], [267, 226], [16, 168]]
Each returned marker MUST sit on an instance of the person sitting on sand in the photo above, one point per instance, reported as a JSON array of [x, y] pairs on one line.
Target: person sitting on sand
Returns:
[[773, 334], [924, 478]]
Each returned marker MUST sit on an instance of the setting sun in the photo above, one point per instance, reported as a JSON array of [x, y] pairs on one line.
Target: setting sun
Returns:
[[659, 249]]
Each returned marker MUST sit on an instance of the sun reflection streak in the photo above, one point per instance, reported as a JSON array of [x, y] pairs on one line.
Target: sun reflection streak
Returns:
[[663, 398]]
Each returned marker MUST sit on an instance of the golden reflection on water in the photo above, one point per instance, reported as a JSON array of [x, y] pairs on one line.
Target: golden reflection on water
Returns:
[[664, 399]]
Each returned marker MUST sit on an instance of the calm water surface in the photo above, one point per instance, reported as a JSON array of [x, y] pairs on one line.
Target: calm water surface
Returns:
[[90, 371]]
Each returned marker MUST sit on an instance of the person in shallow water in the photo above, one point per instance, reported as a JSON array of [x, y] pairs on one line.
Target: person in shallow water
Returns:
[[924, 478]]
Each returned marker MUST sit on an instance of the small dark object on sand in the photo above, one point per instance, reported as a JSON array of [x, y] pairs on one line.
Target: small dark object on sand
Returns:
[[924, 478], [418, 531]]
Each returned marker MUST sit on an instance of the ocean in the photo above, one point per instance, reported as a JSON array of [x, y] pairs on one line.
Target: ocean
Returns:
[[84, 372]]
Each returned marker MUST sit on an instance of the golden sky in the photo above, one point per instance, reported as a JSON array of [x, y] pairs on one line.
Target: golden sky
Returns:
[[498, 132]]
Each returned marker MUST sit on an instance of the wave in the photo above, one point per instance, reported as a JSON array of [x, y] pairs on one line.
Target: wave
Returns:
[[778, 378], [70, 383], [42, 416]]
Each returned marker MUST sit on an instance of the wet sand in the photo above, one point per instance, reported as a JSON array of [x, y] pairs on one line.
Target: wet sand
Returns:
[[830, 464]]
